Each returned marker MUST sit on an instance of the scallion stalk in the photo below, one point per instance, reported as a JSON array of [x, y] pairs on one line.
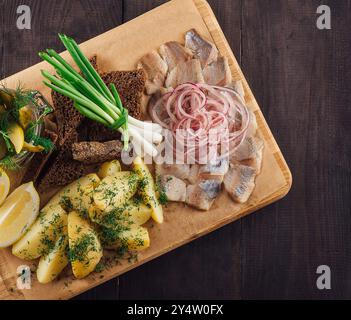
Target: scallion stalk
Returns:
[[94, 99]]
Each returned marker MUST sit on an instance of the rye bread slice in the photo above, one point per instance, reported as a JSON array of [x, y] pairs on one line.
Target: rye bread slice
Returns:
[[130, 86], [91, 152], [93, 131], [68, 118], [73, 127], [62, 169]]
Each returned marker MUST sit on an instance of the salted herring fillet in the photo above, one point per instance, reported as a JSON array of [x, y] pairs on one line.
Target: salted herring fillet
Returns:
[[215, 171], [239, 182], [155, 69], [203, 194], [180, 171], [174, 53], [202, 49], [250, 153], [248, 149], [218, 73], [174, 188], [189, 71]]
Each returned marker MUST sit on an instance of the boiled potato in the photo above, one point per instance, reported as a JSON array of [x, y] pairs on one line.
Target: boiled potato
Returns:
[[134, 238], [109, 169], [51, 264], [133, 212], [114, 191], [148, 190], [77, 195], [42, 235], [85, 250], [84, 199]]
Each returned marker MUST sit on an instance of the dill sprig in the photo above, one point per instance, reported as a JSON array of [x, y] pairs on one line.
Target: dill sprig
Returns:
[[15, 100], [37, 140], [8, 163], [8, 143], [12, 101]]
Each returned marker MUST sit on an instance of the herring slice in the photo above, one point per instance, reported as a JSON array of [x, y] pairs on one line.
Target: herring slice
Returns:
[[239, 182]]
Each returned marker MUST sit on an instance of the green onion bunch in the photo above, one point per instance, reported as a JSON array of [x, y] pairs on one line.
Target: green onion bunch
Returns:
[[94, 99]]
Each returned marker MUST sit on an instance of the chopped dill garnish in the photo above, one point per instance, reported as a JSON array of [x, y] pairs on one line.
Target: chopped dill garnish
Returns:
[[80, 249], [100, 267], [160, 190]]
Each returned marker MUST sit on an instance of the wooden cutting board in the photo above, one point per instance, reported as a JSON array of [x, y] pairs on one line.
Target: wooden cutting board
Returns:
[[120, 49]]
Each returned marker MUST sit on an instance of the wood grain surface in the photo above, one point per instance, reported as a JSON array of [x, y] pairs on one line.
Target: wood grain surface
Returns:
[[302, 80]]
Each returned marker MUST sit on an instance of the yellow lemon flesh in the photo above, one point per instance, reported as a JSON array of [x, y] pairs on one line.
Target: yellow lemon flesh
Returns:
[[4, 186], [18, 213], [16, 136]]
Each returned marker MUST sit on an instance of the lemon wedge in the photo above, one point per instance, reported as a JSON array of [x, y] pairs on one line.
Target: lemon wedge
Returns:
[[18, 213], [16, 136], [4, 185]]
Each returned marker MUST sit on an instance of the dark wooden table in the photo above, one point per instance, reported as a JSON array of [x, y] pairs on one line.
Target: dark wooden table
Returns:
[[301, 77]]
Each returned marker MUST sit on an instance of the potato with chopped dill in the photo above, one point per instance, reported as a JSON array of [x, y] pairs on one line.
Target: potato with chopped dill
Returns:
[[42, 235], [134, 238], [85, 250], [148, 189], [133, 212], [114, 191], [76, 195], [109, 168], [51, 264]]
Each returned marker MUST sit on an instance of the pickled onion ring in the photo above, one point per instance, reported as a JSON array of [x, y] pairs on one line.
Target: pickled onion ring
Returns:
[[201, 115]]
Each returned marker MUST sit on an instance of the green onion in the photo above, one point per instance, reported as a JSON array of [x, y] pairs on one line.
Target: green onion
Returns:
[[89, 114], [116, 96], [90, 95]]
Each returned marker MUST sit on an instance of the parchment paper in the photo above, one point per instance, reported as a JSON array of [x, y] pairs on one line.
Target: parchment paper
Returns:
[[120, 49]]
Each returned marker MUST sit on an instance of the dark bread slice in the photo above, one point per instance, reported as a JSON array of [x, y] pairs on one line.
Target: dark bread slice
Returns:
[[68, 118], [73, 127], [99, 132], [62, 169], [130, 86], [91, 152]]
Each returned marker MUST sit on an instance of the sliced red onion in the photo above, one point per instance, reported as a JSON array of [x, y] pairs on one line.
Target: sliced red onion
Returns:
[[196, 110]]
